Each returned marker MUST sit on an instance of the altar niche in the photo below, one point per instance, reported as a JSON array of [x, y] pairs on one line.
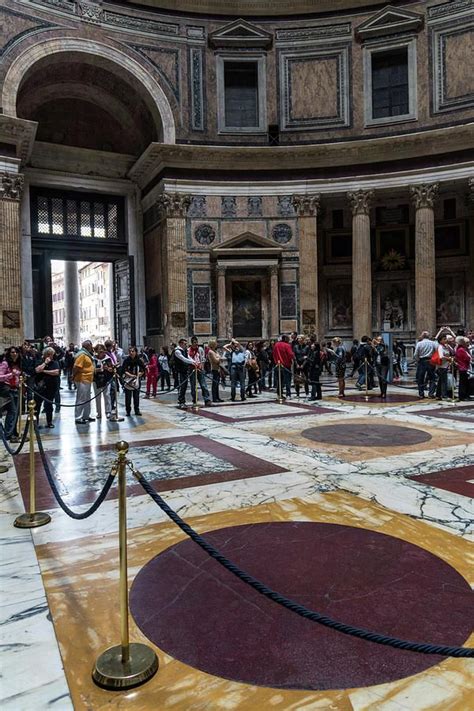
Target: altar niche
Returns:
[[247, 308]]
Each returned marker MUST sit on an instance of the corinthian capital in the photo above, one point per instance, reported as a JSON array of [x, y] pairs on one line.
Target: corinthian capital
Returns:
[[11, 186], [306, 205], [360, 201], [173, 204], [424, 195]]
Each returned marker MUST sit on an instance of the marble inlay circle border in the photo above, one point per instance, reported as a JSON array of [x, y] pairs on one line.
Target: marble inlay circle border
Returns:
[[366, 435], [197, 612]]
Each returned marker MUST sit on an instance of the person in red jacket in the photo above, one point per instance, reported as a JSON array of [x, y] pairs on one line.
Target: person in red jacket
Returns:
[[462, 358], [283, 357]]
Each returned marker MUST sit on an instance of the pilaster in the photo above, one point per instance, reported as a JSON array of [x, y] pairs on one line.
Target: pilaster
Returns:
[[274, 302], [424, 197], [307, 207], [173, 208], [11, 321], [360, 201]]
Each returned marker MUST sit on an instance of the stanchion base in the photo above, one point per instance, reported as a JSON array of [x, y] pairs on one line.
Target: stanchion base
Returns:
[[195, 408], [116, 419], [26, 520], [111, 673], [3, 469], [281, 400]]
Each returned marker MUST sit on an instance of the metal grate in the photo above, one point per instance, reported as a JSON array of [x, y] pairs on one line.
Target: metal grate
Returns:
[[81, 216]]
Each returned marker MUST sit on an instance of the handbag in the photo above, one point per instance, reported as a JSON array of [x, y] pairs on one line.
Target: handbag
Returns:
[[435, 359]]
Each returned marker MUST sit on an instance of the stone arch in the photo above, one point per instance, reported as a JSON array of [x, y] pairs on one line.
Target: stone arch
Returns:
[[27, 59]]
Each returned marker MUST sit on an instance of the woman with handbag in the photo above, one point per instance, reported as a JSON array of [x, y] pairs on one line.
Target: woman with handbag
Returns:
[[10, 371], [313, 367], [133, 370], [46, 384]]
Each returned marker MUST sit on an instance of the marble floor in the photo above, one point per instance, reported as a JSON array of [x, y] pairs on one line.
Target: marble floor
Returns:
[[358, 508]]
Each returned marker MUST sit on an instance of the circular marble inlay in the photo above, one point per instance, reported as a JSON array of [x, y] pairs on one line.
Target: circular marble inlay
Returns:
[[205, 234], [199, 613], [366, 435], [376, 399], [282, 233]]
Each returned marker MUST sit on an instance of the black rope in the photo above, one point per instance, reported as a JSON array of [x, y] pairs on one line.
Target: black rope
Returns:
[[53, 402], [6, 444], [57, 496], [301, 610]]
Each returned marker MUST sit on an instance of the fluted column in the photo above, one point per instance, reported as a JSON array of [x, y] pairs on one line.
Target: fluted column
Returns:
[[72, 303], [424, 197], [221, 304], [11, 322], [361, 263], [307, 207], [274, 303], [174, 208]]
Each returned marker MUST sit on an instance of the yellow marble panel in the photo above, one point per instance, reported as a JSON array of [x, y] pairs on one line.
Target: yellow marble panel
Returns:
[[81, 580], [459, 64], [314, 88]]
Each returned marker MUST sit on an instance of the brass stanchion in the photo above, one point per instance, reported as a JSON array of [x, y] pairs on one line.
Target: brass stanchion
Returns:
[[366, 382], [125, 665], [280, 398], [195, 403], [34, 518], [115, 417]]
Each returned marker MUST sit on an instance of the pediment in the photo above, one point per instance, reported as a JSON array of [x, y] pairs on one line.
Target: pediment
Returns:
[[389, 21], [248, 242], [240, 34]]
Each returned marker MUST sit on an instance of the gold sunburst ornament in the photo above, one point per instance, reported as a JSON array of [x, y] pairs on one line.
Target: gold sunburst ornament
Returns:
[[392, 261]]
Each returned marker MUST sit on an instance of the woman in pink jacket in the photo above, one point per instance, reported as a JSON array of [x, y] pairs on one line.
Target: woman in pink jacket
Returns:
[[462, 359], [10, 371]]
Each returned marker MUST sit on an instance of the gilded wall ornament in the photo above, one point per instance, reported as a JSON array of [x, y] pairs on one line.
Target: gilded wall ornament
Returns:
[[204, 234], [424, 195], [360, 201], [282, 233]]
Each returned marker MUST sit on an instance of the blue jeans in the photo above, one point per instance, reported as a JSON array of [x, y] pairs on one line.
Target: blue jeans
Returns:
[[202, 382], [237, 375], [425, 375], [12, 409], [285, 381]]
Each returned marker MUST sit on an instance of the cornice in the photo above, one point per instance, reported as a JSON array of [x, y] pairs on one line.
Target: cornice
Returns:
[[19, 133], [158, 157], [256, 8]]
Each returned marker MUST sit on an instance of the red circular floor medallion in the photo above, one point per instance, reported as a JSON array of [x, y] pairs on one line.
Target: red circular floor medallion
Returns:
[[199, 613]]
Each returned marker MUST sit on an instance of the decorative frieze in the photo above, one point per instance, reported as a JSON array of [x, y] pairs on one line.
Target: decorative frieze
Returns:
[[424, 195], [360, 201], [452, 7], [90, 11], [254, 206], [174, 204], [306, 205], [285, 206], [198, 207], [301, 34], [229, 206], [11, 186]]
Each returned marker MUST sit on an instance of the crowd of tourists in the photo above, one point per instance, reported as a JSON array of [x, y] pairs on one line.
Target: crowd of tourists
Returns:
[[291, 364]]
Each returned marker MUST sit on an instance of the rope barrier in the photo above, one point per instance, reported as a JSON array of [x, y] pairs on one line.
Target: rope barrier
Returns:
[[301, 610], [16, 451], [52, 402], [57, 495]]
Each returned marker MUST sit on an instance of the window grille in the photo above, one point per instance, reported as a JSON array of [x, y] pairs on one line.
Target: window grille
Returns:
[[390, 83], [60, 215]]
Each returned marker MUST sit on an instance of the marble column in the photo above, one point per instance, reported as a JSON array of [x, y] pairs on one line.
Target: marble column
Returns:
[[174, 207], [221, 304], [72, 303], [11, 320], [361, 263], [274, 303], [307, 207], [424, 197], [469, 319]]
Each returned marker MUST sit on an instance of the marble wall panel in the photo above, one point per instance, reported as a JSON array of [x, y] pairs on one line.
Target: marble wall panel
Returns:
[[459, 63], [236, 227], [314, 88], [201, 277], [288, 276]]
